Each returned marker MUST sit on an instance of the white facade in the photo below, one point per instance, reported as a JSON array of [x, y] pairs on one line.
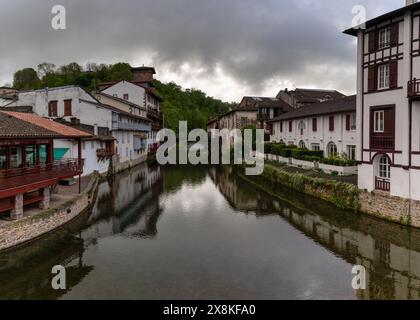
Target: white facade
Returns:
[[137, 94], [83, 107], [389, 139], [302, 133]]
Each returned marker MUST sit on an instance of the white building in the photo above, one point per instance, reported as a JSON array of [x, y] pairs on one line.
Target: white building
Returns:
[[141, 92], [388, 106], [329, 126], [114, 129]]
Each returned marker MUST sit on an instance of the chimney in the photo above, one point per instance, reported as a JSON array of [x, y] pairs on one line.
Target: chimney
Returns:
[[143, 74], [410, 2]]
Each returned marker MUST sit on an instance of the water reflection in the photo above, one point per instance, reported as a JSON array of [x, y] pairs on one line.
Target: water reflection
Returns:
[[199, 232], [390, 253]]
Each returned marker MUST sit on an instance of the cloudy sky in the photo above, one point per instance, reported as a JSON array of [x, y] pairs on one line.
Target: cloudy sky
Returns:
[[227, 48]]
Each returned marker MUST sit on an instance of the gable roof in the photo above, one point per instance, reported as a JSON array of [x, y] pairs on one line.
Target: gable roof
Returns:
[[27, 125], [149, 90], [353, 31], [346, 104], [120, 100]]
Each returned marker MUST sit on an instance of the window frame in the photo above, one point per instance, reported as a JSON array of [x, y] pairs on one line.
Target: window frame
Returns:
[[379, 122], [384, 38], [384, 76], [384, 168]]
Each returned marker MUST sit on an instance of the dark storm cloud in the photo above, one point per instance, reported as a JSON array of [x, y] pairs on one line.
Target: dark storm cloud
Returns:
[[298, 41]]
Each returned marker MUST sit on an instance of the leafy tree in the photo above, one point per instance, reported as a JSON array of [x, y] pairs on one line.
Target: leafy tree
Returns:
[[26, 79]]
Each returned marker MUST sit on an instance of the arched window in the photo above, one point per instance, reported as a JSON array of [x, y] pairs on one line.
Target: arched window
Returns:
[[332, 150], [302, 144], [384, 167]]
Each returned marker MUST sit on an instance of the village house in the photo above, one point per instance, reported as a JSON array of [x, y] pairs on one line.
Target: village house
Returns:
[[28, 170], [112, 143], [301, 97], [140, 91], [388, 102], [329, 126]]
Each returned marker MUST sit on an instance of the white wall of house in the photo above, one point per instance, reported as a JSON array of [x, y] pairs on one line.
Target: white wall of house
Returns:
[[322, 137], [136, 94], [404, 171]]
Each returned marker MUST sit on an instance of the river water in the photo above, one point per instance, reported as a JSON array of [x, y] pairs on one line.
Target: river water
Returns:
[[208, 233]]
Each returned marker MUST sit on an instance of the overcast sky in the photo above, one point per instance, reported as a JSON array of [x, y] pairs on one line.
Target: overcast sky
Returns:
[[227, 48]]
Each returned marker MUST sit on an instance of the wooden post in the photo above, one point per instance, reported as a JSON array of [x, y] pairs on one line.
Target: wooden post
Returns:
[[79, 161]]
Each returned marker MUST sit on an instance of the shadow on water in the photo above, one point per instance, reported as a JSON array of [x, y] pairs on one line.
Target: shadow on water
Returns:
[[131, 204]]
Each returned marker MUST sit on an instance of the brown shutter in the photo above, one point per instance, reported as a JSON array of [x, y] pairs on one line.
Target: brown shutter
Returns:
[[395, 30], [290, 126], [393, 74], [314, 124], [67, 108], [373, 41], [331, 123], [281, 126], [389, 121], [372, 78], [347, 122]]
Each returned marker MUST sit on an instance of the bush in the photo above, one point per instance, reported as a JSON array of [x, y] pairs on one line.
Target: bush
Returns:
[[307, 155], [285, 153], [339, 162]]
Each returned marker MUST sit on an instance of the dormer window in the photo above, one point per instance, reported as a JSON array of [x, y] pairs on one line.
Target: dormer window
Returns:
[[384, 38]]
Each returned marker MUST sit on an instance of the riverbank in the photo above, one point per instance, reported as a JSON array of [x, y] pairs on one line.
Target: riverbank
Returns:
[[347, 196], [32, 227]]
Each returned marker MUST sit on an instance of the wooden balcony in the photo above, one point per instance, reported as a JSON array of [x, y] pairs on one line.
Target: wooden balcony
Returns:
[[382, 184], [22, 180], [414, 89], [382, 142], [104, 153]]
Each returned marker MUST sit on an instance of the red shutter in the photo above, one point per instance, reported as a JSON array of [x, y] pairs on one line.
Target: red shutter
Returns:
[[393, 74], [314, 124], [347, 122], [67, 108], [395, 33], [372, 78], [373, 41], [389, 121], [52, 109], [331, 123]]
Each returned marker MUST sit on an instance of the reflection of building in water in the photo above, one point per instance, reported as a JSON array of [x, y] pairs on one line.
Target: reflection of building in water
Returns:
[[390, 253], [26, 273], [128, 204], [239, 198]]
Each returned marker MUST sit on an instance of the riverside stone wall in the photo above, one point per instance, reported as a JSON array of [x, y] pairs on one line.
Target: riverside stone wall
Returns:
[[30, 228], [381, 204]]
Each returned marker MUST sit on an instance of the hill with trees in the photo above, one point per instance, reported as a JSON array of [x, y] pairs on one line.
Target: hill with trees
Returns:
[[189, 105]]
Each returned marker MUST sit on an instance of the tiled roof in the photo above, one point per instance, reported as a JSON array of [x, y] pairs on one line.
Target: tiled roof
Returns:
[[24, 125], [316, 95], [346, 104]]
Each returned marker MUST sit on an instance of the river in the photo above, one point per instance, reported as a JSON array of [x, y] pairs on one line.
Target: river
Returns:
[[207, 233]]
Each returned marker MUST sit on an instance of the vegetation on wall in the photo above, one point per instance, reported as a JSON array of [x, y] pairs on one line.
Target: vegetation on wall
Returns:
[[189, 105]]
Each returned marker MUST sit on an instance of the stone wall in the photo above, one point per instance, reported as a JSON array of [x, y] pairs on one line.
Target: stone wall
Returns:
[[383, 205], [30, 228], [122, 166]]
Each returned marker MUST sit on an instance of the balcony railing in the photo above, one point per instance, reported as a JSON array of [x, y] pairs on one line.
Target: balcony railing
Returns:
[[382, 143], [382, 184], [414, 88], [104, 153], [118, 125], [27, 179]]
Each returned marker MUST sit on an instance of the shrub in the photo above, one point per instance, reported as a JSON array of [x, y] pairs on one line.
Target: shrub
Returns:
[[285, 153], [338, 162], [305, 154]]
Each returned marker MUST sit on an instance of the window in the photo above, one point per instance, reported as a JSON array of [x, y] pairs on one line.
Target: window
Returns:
[[125, 96], [315, 147], [384, 168], [383, 76], [351, 152], [301, 127], [353, 122], [332, 150], [331, 123], [302, 145], [384, 38], [67, 108], [290, 126], [281, 126], [52, 109], [379, 121], [314, 124]]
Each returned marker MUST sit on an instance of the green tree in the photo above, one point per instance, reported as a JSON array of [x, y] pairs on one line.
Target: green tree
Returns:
[[26, 79]]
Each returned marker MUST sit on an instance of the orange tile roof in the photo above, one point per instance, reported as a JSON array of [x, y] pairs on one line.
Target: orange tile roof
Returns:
[[48, 124]]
